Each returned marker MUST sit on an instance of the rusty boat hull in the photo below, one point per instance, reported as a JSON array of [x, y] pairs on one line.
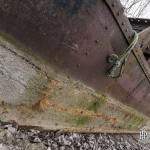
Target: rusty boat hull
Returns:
[[76, 37]]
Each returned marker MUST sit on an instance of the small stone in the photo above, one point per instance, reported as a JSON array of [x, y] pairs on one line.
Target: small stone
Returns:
[[9, 137], [12, 130], [37, 140], [3, 147]]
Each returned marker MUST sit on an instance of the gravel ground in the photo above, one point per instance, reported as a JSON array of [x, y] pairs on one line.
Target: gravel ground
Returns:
[[13, 137]]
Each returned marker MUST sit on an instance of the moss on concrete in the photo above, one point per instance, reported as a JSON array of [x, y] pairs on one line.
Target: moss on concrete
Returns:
[[135, 122], [97, 103], [10, 39], [81, 120], [35, 88]]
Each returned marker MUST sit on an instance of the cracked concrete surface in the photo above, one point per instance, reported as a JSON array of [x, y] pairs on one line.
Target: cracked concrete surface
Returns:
[[15, 75]]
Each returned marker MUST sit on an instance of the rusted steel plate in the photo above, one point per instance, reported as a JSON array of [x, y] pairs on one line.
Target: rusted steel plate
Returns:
[[76, 37], [145, 40], [78, 43], [51, 100], [142, 91], [142, 66]]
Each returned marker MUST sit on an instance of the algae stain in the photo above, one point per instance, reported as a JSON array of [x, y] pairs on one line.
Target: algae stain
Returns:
[[135, 122], [81, 120], [35, 87], [97, 103], [94, 106], [7, 37]]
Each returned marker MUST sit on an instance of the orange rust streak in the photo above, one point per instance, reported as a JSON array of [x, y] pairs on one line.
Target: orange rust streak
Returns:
[[45, 104]]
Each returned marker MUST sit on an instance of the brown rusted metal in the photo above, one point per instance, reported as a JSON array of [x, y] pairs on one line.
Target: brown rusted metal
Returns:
[[76, 37]]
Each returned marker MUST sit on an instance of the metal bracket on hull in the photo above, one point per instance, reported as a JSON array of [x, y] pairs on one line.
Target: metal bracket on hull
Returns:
[[118, 61], [124, 24]]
